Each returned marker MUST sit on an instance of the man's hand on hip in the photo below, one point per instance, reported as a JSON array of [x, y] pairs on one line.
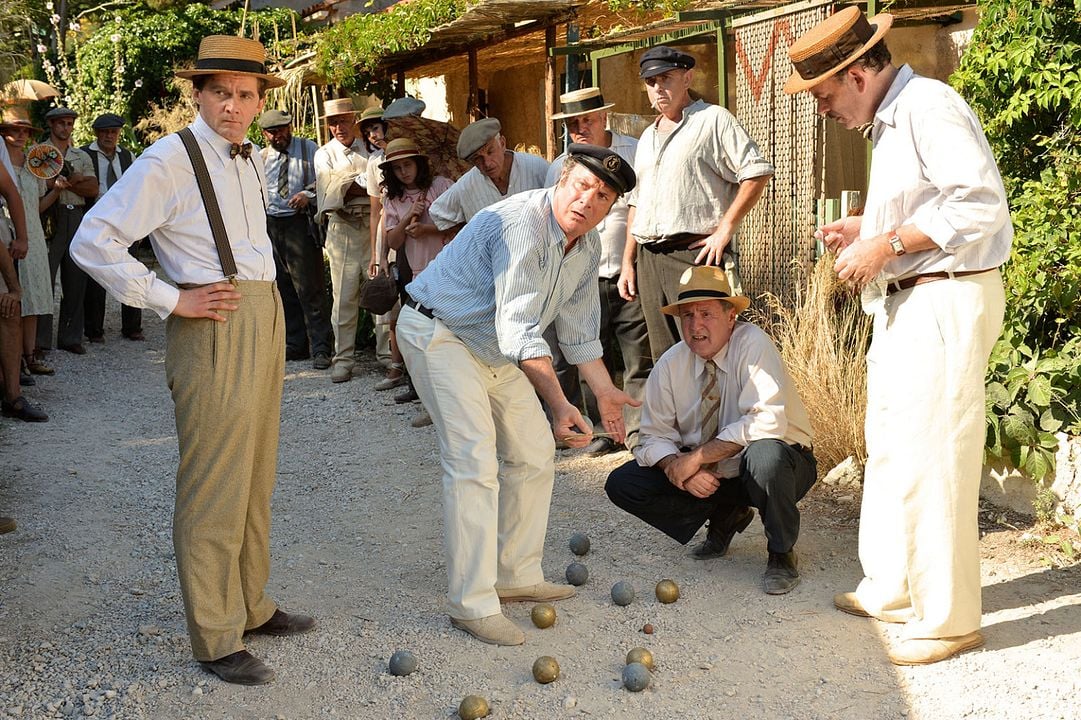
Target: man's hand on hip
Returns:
[[713, 247], [208, 301]]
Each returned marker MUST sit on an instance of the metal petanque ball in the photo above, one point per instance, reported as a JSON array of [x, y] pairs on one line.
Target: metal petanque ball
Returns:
[[545, 669], [543, 615], [579, 543], [473, 707], [577, 573], [642, 656], [622, 593], [667, 591], [636, 677], [402, 662]]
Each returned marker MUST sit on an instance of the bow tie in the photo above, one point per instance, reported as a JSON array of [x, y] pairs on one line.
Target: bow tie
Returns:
[[243, 150]]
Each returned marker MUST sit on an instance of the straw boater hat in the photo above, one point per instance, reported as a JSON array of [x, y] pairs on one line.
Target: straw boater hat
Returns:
[[339, 106], [833, 44], [581, 102], [705, 282], [399, 149], [17, 116], [231, 54]]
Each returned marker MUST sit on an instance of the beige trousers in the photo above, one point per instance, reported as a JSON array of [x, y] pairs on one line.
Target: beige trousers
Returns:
[[226, 382], [919, 539], [349, 249], [498, 458]]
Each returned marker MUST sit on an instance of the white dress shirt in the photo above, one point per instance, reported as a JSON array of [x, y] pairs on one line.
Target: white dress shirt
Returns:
[[613, 228], [474, 191], [158, 196], [758, 400], [335, 158]]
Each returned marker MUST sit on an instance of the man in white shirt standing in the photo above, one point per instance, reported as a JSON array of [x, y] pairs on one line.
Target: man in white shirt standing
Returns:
[[224, 357], [723, 430], [935, 228]]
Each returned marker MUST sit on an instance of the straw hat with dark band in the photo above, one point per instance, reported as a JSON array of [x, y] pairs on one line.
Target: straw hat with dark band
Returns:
[[399, 149], [833, 44], [581, 102], [17, 116], [705, 282], [231, 54]]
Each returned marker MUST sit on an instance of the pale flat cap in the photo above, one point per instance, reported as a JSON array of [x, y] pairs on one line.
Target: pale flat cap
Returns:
[[274, 119], [475, 135]]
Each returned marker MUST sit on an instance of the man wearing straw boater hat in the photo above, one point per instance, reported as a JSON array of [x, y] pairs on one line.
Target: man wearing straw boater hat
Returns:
[[723, 431], [934, 230], [585, 116], [199, 195]]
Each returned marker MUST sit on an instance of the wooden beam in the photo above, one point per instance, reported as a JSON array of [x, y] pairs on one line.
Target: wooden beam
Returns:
[[472, 111], [551, 92]]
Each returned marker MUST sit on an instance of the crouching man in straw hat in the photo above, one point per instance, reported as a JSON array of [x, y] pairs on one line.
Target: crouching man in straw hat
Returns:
[[927, 249], [723, 430], [471, 334], [225, 352]]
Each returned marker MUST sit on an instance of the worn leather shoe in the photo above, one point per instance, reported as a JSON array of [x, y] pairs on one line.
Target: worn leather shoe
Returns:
[[135, 336], [36, 365], [924, 651], [408, 396], [721, 531], [282, 623], [848, 602], [341, 373], [76, 349], [421, 419], [320, 361], [7, 525], [494, 630], [781, 574], [240, 668], [20, 409], [541, 592]]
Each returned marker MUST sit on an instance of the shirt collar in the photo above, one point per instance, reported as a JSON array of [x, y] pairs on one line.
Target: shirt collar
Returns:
[[357, 146], [217, 143], [887, 109]]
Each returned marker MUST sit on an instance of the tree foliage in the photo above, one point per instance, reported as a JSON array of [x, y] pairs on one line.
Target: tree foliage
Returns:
[[1022, 75]]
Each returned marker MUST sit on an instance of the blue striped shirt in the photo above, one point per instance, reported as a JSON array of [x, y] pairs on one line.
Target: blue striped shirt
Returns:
[[504, 279], [301, 171]]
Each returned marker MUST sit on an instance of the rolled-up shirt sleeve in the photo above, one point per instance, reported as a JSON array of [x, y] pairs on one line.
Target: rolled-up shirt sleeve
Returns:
[[447, 210], [738, 158], [658, 435]]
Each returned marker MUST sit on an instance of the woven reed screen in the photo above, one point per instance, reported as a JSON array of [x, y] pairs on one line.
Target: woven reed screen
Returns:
[[789, 133]]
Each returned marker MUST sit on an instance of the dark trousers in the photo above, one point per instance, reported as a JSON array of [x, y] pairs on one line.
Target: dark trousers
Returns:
[[66, 219], [622, 323], [773, 477], [131, 318], [299, 262]]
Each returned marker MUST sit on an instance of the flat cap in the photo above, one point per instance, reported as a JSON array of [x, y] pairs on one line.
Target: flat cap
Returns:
[[404, 107], [274, 119], [606, 164], [60, 112], [108, 121], [661, 59], [476, 134]]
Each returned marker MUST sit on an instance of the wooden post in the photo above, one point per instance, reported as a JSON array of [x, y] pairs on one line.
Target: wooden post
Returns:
[[472, 111], [551, 92], [399, 83]]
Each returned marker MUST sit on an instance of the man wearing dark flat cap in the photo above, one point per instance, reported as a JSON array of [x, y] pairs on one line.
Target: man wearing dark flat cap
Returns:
[[699, 174], [110, 162], [935, 228], [225, 345], [497, 173], [472, 337], [76, 184]]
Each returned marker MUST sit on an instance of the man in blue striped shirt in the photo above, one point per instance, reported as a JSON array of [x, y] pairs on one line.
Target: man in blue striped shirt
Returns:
[[472, 338]]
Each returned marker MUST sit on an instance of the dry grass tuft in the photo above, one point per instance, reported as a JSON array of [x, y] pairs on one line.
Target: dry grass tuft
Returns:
[[162, 121], [823, 339]]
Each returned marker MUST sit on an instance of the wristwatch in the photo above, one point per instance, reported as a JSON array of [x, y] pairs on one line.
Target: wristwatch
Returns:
[[896, 244]]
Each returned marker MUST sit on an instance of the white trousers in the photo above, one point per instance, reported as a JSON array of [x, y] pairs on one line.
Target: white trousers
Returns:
[[349, 249], [498, 458], [919, 537]]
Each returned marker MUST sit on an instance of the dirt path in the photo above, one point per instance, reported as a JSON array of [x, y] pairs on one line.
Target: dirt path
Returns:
[[91, 621]]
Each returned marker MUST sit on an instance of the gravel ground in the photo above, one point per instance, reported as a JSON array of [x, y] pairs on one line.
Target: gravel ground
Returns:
[[91, 623]]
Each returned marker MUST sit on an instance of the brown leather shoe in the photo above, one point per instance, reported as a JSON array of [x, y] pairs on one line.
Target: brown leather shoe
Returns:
[[6, 525], [721, 531], [240, 668], [848, 602], [21, 409], [924, 651], [282, 623], [36, 365]]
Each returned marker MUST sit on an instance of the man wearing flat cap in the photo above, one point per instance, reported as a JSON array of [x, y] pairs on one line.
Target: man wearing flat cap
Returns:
[[76, 184], [224, 358], [723, 431], [699, 174], [585, 116], [290, 172], [472, 337], [497, 173], [110, 162], [935, 228]]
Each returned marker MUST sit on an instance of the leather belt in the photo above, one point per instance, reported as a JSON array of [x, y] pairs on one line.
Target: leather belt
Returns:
[[914, 280], [671, 243], [427, 312]]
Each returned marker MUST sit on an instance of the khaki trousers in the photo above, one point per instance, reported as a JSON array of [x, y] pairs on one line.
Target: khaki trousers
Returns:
[[498, 458], [919, 538], [226, 382], [349, 249]]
